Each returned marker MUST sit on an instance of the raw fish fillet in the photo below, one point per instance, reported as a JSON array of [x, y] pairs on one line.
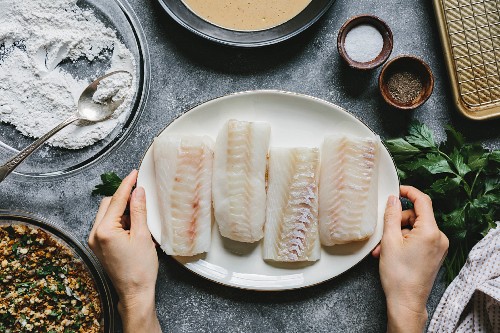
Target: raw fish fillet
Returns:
[[348, 187], [291, 230], [183, 168], [239, 182]]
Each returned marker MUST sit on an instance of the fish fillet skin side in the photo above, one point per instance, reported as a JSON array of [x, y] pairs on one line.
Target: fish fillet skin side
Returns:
[[239, 179], [183, 169], [291, 230], [348, 189]]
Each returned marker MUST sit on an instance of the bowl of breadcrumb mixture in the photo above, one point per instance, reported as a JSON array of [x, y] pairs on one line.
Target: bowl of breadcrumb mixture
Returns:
[[49, 282]]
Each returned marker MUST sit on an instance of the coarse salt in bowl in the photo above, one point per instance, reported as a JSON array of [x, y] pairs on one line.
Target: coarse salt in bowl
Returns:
[[365, 42]]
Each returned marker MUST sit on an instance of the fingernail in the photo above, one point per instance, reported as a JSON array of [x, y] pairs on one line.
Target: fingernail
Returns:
[[392, 201], [139, 193], [132, 172]]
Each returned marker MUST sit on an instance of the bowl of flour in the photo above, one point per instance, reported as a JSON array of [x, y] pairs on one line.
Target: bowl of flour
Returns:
[[49, 52]]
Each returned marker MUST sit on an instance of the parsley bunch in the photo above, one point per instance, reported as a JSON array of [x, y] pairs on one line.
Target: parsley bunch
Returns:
[[463, 180]]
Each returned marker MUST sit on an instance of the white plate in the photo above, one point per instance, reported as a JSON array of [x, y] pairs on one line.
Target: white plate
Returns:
[[296, 120]]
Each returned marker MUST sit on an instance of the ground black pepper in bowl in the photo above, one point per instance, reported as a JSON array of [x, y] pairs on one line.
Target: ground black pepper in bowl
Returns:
[[406, 82], [404, 87]]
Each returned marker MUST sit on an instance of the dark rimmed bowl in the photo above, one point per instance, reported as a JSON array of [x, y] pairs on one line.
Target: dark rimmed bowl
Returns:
[[412, 64], [247, 39], [384, 30]]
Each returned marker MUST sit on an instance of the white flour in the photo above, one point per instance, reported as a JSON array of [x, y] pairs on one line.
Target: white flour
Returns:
[[114, 88], [35, 94]]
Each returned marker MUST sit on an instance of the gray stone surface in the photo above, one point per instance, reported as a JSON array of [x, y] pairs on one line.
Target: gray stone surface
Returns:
[[187, 71]]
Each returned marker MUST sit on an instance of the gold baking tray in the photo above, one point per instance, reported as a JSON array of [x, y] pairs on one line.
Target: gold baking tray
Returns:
[[470, 34]]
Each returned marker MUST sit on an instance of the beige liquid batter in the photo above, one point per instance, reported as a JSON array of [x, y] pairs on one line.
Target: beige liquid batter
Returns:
[[246, 15]]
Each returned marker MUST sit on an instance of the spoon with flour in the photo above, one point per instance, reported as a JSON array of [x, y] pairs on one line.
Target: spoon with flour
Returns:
[[96, 103]]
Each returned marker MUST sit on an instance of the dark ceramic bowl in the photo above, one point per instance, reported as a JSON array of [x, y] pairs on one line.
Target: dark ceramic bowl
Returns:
[[185, 17], [384, 30], [411, 64]]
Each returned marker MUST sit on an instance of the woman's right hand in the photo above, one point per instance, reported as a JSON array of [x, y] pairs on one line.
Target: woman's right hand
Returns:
[[124, 247], [409, 260]]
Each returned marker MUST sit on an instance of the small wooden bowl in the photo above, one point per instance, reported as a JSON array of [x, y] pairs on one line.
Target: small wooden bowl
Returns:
[[384, 30], [414, 65]]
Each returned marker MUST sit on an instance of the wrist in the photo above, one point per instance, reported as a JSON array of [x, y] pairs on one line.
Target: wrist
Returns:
[[401, 318], [137, 299], [138, 313]]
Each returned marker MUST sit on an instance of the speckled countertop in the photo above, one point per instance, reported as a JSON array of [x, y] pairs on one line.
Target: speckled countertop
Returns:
[[186, 71]]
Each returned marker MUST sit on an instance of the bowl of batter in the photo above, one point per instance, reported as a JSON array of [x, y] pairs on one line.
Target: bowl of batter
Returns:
[[244, 23]]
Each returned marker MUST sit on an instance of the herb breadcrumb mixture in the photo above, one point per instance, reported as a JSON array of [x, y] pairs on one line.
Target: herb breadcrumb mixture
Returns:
[[43, 287]]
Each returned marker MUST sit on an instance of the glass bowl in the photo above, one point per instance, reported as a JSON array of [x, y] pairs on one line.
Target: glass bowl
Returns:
[[80, 251], [52, 162]]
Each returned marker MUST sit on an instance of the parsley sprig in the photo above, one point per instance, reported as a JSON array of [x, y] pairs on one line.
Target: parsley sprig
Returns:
[[463, 180], [110, 183]]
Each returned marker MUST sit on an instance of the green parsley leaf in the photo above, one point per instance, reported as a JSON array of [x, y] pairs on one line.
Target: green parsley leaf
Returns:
[[110, 183], [401, 146], [454, 223], [420, 136], [495, 156], [459, 164], [401, 173], [492, 185], [46, 270], [476, 163], [491, 224], [486, 200], [433, 163], [455, 139], [445, 185], [25, 284]]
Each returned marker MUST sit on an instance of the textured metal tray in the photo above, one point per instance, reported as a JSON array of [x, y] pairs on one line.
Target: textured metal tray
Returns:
[[470, 34]]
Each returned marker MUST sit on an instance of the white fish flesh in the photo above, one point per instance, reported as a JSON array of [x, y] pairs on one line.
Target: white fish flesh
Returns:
[[348, 189], [239, 180], [183, 168], [291, 230]]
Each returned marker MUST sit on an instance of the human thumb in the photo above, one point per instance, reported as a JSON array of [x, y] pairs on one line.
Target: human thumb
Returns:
[[138, 215], [392, 218]]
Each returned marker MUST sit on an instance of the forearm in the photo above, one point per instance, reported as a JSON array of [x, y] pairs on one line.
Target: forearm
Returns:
[[139, 316], [401, 319]]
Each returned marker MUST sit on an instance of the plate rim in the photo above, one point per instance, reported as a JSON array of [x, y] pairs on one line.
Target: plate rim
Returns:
[[235, 43], [272, 92]]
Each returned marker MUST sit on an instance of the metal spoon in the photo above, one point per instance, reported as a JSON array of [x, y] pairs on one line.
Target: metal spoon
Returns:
[[87, 110]]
